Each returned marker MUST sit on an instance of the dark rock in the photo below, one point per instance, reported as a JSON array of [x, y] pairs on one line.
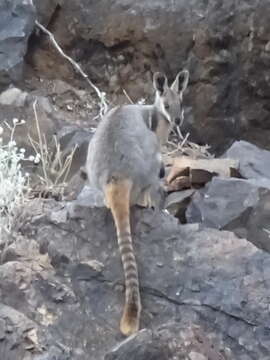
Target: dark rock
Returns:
[[171, 341], [238, 205], [224, 45], [190, 276], [254, 162], [257, 222], [46, 9], [13, 96], [17, 22], [222, 201], [70, 137], [24, 334], [141, 346], [18, 334], [177, 202]]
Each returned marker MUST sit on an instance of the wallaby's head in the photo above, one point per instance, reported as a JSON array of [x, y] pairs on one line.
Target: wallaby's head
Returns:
[[169, 98]]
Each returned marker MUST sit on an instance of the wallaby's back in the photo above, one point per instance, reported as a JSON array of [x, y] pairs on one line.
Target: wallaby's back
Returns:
[[124, 147]]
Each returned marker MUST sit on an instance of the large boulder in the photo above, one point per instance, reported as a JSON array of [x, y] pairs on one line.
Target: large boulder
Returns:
[[254, 162], [16, 24], [65, 275], [231, 204], [239, 205]]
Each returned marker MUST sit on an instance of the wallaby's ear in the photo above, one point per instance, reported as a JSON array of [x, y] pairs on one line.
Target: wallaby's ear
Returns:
[[181, 81], [160, 82]]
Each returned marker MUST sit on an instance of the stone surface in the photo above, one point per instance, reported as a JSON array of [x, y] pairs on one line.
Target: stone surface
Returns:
[[46, 9], [73, 136], [225, 46], [177, 202], [17, 22], [238, 205], [70, 284], [241, 206], [257, 222], [13, 96], [222, 201], [254, 162], [171, 341]]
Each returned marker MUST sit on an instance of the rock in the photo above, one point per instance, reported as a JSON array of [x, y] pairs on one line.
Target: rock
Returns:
[[184, 165], [26, 336], [13, 96], [167, 342], [187, 172], [212, 41], [17, 337], [222, 201], [61, 88], [17, 23], [196, 356], [254, 162], [73, 136], [257, 222], [177, 202], [143, 345], [190, 278], [238, 205], [87, 197], [46, 9]]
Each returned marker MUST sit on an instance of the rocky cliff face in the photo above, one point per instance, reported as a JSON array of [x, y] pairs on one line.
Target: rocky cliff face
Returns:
[[204, 291], [225, 45]]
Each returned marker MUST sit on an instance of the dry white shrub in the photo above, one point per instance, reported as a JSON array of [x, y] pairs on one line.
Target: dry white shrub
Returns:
[[13, 182]]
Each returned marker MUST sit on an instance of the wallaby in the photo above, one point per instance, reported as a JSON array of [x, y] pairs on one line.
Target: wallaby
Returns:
[[124, 161]]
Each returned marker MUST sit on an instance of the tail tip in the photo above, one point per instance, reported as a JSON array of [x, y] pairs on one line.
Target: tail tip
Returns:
[[129, 325], [130, 322]]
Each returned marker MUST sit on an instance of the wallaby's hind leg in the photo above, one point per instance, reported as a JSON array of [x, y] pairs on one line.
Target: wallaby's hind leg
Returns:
[[145, 199], [117, 194]]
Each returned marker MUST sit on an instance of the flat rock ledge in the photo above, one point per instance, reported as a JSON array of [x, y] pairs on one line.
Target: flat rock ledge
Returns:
[[205, 293]]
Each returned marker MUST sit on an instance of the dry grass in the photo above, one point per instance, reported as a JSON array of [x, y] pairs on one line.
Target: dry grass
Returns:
[[55, 167]]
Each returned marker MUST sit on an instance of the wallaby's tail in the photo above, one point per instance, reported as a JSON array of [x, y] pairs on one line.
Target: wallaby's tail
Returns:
[[117, 194]]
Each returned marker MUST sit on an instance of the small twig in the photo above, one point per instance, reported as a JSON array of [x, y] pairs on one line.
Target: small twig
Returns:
[[41, 148], [179, 133], [69, 162], [184, 141], [128, 97], [65, 168], [101, 95]]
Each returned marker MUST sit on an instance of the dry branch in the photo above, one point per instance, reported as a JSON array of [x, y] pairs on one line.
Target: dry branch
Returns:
[[101, 95]]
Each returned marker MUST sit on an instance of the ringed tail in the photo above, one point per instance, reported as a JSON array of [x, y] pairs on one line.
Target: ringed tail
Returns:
[[117, 196]]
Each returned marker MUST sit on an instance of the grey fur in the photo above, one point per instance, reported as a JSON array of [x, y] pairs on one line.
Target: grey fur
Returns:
[[127, 141]]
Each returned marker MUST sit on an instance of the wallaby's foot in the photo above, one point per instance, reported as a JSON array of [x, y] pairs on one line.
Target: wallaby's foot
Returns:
[[145, 200]]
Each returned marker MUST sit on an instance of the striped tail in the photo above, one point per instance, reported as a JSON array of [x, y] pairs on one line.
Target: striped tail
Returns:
[[117, 194]]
